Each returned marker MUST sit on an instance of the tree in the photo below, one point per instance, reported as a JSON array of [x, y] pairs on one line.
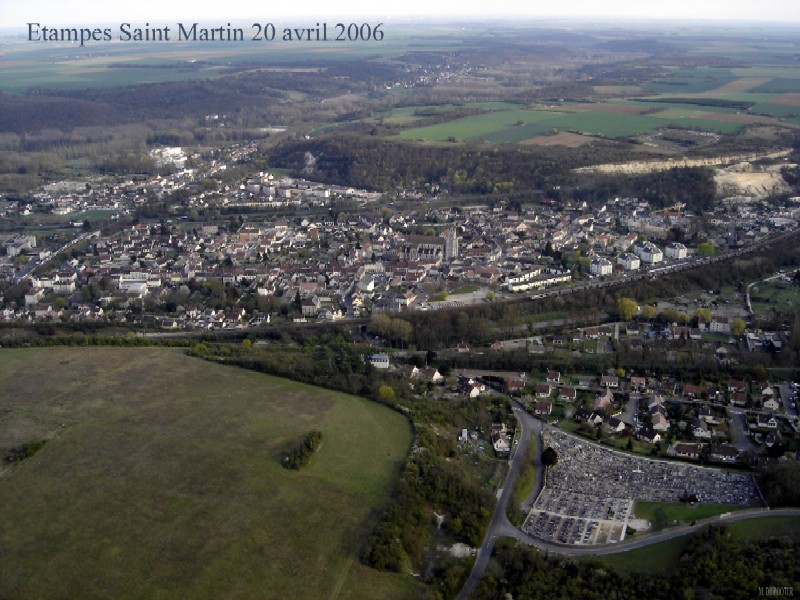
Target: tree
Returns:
[[705, 249], [549, 457], [626, 308], [703, 315], [737, 326], [386, 393]]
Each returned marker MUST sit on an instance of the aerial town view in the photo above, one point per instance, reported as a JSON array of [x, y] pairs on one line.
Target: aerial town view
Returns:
[[357, 303]]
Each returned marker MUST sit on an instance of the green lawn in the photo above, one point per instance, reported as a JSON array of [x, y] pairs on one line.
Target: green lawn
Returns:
[[161, 479], [663, 514], [658, 558]]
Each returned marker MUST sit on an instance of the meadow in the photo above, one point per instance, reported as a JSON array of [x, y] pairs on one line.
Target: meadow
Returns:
[[161, 478], [663, 514], [664, 557]]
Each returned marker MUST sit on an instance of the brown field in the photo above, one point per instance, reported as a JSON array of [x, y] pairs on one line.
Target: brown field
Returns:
[[788, 99], [565, 138]]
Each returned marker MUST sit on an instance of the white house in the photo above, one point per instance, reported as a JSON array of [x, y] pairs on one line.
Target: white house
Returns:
[[379, 361], [600, 266], [700, 429], [675, 250], [628, 261], [719, 325], [500, 443], [768, 421], [650, 253]]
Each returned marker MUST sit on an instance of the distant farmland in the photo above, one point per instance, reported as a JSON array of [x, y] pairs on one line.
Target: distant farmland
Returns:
[[522, 125], [161, 479]]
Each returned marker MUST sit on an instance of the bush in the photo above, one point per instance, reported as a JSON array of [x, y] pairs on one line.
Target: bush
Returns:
[[300, 455]]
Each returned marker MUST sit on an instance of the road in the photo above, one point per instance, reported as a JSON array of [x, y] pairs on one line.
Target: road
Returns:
[[740, 438], [632, 543], [499, 526], [789, 397], [631, 409]]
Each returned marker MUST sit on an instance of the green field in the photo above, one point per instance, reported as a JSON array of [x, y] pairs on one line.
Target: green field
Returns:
[[691, 81], [161, 479], [772, 296], [663, 514], [503, 126], [780, 85], [663, 557]]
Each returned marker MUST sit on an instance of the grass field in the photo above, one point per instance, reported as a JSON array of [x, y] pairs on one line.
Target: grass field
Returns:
[[774, 295], [663, 514], [161, 479], [607, 120], [663, 557]]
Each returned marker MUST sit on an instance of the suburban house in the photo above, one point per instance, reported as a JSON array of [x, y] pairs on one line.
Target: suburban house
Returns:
[[609, 381], [660, 422], [700, 429], [735, 385], [719, 325], [638, 384], [515, 386], [683, 450], [615, 425], [471, 387], [500, 443], [568, 393], [739, 399], [724, 453], [543, 408], [432, 374], [543, 390], [411, 371], [705, 413], [553, 377], [648, 435], [604, 400], [768, 421]]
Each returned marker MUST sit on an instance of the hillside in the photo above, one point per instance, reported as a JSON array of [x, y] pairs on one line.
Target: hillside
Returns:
[[161, 477]]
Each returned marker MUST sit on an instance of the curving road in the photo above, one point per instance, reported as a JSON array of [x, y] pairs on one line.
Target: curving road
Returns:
[[501, 527]]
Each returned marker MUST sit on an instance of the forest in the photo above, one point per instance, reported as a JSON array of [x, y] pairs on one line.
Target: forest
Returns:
[[378, 164], [713, 566]]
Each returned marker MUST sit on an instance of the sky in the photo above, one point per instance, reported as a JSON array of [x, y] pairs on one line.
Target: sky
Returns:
[[16, 13]]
